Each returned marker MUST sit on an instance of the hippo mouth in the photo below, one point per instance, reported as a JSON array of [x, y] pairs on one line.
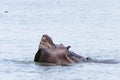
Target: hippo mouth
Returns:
[[46, 42]]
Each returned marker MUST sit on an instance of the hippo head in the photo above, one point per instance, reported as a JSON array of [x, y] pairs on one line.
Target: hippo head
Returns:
[[49, 52]]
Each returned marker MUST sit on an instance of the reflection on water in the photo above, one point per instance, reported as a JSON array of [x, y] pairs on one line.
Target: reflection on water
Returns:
[[91, 27]]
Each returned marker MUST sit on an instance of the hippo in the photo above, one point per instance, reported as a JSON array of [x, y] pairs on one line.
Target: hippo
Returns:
[[49, 52]]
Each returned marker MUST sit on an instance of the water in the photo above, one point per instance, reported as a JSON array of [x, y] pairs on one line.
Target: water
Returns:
[[91, 27]]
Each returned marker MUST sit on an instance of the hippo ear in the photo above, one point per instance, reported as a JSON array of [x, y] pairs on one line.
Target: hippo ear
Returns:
[[68, 47]]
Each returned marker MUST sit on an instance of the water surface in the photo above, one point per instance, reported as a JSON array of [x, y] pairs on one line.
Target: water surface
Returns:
[[91, 27]]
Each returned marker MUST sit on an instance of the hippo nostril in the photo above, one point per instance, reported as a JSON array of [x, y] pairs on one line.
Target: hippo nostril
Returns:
[[44, 35]]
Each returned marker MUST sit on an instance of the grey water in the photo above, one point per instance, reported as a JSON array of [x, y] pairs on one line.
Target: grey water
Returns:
[[91, 27]]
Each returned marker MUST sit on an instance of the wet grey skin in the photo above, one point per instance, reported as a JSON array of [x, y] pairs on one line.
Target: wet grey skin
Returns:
[[58, 54]]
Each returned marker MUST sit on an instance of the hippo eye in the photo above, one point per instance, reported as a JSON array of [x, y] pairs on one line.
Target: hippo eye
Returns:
[[61, 44]]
